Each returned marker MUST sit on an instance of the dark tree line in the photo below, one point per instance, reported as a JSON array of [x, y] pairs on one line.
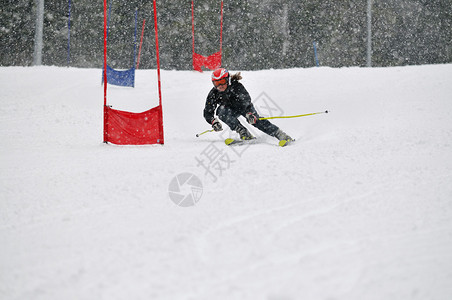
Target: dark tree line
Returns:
[[257, 34]]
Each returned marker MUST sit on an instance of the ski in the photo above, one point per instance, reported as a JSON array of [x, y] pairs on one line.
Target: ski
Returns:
[[284, 143], [231, 141]]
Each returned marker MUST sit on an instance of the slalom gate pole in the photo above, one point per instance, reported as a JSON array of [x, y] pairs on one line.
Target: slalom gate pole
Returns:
[[297, 116], [221, 33], [135, 40], [105, 72], [158, 71], [193, 32], [204, 132], [315, 54], [141, 43]]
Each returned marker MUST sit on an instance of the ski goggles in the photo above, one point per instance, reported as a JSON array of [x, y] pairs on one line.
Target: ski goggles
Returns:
[[217, 83]]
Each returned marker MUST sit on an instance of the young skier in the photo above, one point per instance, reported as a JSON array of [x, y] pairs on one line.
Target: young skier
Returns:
[[230, 100]]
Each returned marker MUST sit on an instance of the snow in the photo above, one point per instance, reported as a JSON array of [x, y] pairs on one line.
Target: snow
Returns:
[[360, 207]]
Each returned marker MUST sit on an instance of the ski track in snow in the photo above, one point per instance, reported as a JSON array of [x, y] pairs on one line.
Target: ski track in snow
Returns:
[[359, 207]]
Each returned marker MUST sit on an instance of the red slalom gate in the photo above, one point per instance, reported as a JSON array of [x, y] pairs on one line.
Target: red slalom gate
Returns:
[[212, 61], [128, 128]]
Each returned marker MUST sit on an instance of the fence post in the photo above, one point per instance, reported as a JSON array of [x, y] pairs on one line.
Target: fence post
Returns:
[[369, 33], [37, 54]]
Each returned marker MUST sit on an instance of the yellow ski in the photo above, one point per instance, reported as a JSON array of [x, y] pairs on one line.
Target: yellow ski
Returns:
[[230, 141], [284, 143]]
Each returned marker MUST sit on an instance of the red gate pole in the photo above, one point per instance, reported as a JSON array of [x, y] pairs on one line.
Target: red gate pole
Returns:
[[193, 31], [221, 33], [105, 74], [158, 74], [141, 43]]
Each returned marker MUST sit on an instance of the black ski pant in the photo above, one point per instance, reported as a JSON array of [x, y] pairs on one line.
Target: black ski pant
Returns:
[[230, 116]]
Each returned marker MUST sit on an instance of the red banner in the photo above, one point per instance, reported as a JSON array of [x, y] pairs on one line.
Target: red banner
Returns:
[[212, 61], [127, 128]]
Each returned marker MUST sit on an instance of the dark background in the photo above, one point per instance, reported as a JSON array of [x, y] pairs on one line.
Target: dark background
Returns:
[[256, 34]]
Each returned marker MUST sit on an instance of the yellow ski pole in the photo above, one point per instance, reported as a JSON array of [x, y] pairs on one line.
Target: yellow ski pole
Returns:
[[197, 135], [286, 117]]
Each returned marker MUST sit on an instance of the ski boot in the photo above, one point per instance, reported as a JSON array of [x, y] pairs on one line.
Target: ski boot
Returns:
[[244, 133], [283, 138]]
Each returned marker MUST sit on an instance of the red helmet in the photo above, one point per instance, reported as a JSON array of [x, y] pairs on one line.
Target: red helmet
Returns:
[[219, 74]]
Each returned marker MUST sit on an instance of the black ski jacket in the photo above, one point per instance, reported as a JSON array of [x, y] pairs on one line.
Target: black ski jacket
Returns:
[[235, 97]]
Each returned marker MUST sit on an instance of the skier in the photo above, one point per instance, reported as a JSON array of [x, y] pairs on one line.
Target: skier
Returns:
[[232, 100]]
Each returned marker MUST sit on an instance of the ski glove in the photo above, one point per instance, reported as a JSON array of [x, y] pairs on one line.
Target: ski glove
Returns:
[[216, 125], [251, 118]]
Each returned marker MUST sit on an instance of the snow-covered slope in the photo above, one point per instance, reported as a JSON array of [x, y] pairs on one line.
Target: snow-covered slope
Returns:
[[360, 207]]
